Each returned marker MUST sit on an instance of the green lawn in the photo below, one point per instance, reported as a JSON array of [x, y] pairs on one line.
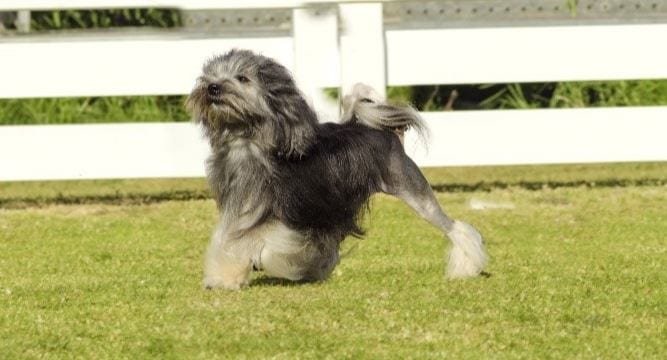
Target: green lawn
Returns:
[[577, 271]]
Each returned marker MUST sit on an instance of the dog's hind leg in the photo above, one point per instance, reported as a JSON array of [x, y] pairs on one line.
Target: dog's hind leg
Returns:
[[467, 256], [296, 256]]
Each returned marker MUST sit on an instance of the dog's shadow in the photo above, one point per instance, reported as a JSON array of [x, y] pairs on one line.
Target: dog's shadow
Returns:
[[265, 281]]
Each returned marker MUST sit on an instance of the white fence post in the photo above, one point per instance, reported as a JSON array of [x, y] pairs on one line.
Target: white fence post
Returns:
[[23, 21], [315, 34], [362, 46]]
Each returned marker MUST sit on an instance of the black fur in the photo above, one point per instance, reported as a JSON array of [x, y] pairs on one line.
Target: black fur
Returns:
[[327, 188]]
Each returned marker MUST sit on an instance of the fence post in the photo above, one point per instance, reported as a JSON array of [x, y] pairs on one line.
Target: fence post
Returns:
[[315, 34], [362, 46], [23, 21]]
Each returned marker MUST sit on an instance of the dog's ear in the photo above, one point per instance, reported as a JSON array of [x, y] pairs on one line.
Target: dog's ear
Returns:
[[293, 126], [292, 120]]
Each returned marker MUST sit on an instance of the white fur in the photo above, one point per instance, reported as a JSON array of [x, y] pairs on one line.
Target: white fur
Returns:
[[273, 247], [467, 257], [283, 252], [228, 259]]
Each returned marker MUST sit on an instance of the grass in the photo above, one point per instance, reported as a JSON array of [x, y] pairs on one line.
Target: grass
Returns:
[[577, 272]]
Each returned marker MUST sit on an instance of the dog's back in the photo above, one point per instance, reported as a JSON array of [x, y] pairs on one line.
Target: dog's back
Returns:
[[326, 189]]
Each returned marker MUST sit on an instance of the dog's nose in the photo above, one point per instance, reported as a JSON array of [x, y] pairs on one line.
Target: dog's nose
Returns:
[[214, 89]]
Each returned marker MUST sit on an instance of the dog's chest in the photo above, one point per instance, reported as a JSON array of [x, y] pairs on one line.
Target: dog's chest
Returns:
[[241, 152], [238, 174], [238, 163]]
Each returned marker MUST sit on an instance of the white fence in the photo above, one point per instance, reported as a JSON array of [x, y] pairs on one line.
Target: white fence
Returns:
[[331, 44]]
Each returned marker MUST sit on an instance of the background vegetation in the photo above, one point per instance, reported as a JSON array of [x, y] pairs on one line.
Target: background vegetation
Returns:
[[92, 110], [432, 97], [534, 95], [96, 19]]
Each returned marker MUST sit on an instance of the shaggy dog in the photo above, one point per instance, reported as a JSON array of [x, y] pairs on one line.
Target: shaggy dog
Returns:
[[290, 189]]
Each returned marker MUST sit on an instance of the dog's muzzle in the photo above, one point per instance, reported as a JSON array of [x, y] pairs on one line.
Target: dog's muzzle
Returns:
[[214, 90]]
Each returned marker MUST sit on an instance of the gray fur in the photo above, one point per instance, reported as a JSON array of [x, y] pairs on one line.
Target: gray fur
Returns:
[[289, 189]]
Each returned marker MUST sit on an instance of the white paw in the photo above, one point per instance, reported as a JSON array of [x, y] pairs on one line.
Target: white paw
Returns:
[[214, 282], [467, 257]]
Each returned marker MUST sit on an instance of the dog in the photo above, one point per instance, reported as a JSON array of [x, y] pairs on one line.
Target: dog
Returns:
[[290, 189]]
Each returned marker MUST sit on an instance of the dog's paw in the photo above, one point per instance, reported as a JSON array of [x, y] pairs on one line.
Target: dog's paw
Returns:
[[211, 283]]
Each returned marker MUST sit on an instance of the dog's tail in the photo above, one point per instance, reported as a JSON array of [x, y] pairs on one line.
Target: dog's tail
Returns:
[[366, 107]]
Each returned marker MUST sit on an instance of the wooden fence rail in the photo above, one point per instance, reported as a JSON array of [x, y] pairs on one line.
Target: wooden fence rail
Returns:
[[334, 44]]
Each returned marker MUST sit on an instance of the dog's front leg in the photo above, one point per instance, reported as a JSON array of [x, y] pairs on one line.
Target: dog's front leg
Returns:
[[228, 264]]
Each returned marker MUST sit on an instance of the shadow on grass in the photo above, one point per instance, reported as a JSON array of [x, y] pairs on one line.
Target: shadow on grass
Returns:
[[540, 185], [266, 281], [187, 195], [112, 199]]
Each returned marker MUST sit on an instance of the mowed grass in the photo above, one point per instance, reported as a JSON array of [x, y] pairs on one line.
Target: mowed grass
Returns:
[[576, 272]]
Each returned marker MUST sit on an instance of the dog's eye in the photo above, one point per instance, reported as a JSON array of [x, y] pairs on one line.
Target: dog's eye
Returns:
[[366, 100], [242, 78]]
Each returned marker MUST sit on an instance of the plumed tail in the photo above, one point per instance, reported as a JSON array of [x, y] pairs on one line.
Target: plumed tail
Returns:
[[467, 257], [366, 107]]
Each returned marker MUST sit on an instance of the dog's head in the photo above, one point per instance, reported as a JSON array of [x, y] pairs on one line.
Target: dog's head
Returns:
[[252, 96]]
